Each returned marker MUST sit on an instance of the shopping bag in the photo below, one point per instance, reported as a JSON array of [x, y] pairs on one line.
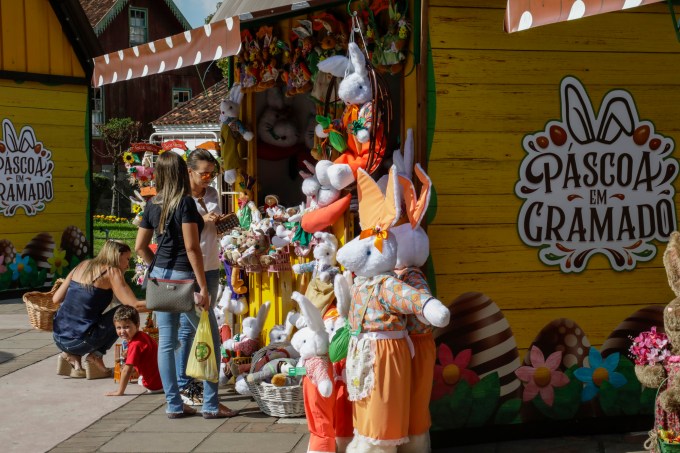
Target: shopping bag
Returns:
[[202, 363]]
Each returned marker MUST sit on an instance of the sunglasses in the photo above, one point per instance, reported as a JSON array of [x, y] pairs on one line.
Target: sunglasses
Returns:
[[207, 175]]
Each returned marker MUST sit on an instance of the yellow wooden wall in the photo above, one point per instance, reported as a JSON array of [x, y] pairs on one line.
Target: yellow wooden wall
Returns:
[[58, 115], [31, 40], [492, 88]]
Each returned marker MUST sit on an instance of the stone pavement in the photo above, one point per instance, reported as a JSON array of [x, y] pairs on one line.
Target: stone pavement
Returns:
[[63, 415]]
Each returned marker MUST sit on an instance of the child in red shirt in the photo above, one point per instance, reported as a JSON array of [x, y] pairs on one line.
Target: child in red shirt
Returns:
[[142, 352]]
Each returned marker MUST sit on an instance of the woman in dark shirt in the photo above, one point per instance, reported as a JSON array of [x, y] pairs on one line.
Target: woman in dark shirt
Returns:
[[80, 327], [178, 257]]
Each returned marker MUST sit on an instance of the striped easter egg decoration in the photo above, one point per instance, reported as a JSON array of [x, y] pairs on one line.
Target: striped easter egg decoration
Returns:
[[640, 321]]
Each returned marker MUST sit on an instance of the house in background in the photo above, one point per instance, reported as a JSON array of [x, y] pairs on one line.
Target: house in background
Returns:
[[120, 24]]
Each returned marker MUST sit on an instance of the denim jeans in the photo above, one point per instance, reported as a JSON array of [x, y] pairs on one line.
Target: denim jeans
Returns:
[[99, 339], [168, 326], [187, 330]]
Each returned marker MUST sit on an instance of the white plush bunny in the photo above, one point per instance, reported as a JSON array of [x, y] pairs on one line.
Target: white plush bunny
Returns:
[[248, 342], [372, 257], [316, 185], [231, 131], [357, 119], [237, 305], [312, 344], [324, 266]]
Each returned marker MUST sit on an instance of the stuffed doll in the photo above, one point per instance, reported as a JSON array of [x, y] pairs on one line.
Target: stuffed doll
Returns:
[[231, 132], [352, 136], [412, 253], [653, 376], [380, 353], [249, 341], [325, 205], [270, 369], [247, 212], [319, 399]]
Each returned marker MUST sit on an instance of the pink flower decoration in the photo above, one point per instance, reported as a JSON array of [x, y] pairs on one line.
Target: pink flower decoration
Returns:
[[649, 348], [542, 377], [3, 268], [451, 370]]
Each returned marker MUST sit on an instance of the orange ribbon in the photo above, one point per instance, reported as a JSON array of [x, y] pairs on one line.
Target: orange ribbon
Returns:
[[379, 236]]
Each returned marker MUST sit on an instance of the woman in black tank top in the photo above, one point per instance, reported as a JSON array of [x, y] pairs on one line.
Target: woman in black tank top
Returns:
[[80, 326]]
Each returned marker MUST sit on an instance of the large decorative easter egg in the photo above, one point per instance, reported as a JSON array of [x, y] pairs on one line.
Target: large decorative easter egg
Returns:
[[478, 324], [74, 242], [40, 248], [7, 252], [562, 335], [642, 320]]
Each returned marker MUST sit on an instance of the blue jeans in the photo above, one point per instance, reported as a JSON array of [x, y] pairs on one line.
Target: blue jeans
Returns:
[[168, 326], [99, 339], [187, 330]]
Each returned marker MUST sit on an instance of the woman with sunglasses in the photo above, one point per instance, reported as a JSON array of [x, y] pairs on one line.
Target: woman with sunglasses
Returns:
[[80, 325], [203, 169], [179, 257]]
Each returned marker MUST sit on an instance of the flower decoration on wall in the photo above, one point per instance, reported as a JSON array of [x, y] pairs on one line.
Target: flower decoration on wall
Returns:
[[20, 266], [542, 377], [650, 348], [3, 268], [57, 262], [597, 372], [451, 370]]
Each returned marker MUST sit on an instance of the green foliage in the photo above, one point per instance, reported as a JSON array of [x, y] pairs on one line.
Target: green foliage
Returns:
[[100, 186], [485, 395], [624, 400], [467, 405], [567, 399], [508, 413]]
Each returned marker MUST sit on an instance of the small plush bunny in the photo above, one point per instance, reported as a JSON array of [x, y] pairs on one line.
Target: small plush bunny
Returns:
[[356, 92], [231, 132], [379, 301], [249, 341], [324, 205], [324, 266], [312, 344]]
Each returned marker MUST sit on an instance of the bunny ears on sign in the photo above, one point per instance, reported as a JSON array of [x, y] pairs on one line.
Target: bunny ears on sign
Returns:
[[377, 212]]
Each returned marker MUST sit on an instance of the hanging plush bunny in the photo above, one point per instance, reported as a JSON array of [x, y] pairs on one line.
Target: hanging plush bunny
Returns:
[[231, 132], [352, 135], [380, 352]]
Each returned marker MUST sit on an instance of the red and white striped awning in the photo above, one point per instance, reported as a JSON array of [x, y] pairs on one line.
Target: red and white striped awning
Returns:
[[210, 42], [523, 14]]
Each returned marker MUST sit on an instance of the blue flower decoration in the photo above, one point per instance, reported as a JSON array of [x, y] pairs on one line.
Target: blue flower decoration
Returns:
[[19, 266], [599, 372]]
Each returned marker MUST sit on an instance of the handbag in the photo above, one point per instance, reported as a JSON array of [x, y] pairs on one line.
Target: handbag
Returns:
[[168, 295]]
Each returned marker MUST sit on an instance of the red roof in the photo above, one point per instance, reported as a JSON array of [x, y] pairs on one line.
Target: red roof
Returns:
[[96, 9], [202, 109]]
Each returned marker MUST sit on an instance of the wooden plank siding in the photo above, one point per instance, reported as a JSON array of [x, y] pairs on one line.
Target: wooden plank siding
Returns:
[[32, 40], [58, 115], [493, 88]]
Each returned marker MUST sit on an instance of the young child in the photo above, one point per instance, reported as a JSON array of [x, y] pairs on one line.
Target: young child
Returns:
[[142, 352]]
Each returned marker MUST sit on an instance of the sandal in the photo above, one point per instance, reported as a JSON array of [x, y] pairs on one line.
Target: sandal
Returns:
[[222, 412], [95, 371], [186, 412], [66, 367]]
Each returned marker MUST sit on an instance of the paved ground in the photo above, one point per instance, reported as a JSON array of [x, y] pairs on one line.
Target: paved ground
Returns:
[[44, 412]]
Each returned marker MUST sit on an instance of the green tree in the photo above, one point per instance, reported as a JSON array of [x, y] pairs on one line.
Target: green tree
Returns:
[[117, 134]]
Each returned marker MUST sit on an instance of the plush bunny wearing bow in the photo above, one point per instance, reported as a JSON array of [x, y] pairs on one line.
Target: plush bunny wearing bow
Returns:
[[380, 349], [231, 132], [357, 120]]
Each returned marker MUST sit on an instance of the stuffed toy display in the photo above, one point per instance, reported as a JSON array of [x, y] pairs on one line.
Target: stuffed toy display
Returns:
[[248, 342], [330, 39], [380, 353], [247, 212], [324, 204], [412, 253], [231, 133], [318, 389], [271, 369], [653, 376], [352, 134], [385, 46]]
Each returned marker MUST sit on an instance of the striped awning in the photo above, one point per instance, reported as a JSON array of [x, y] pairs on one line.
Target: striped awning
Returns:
[[210, 42], [523, 14]]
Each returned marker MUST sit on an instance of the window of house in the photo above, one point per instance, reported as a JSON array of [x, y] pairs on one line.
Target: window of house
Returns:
[[138, 26], [180, 96], [97, 110]]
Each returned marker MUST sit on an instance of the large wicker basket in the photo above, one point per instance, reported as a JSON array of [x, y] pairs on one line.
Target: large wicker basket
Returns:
[[276, 401], [41, 309]]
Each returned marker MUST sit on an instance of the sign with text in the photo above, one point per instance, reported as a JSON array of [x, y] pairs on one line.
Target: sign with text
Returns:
[[596, 183], [25, 171]]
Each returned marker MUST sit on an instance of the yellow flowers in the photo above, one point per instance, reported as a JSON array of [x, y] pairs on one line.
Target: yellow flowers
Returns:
[[136, 209], [57, 261], [669, 436], [110, 219], [128, 157]]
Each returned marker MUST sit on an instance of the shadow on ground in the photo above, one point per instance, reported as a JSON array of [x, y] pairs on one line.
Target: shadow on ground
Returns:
[[5, 356]]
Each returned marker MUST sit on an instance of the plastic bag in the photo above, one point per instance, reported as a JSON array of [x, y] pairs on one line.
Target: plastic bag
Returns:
[[202, 363]]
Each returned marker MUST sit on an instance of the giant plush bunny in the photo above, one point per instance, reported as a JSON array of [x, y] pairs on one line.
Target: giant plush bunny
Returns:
[[379, 356], [357, 119], [412, 253], [231, 132], [312, 344]]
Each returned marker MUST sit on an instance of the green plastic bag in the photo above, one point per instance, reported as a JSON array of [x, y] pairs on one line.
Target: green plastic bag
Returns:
[[202, 363], [337, 350]]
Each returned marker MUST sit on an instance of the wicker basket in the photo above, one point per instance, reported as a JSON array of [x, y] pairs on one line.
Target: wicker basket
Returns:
[[275, 401], [40, 307]]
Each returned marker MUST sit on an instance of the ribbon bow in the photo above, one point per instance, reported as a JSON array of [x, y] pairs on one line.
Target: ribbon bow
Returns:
[[379, 236]]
